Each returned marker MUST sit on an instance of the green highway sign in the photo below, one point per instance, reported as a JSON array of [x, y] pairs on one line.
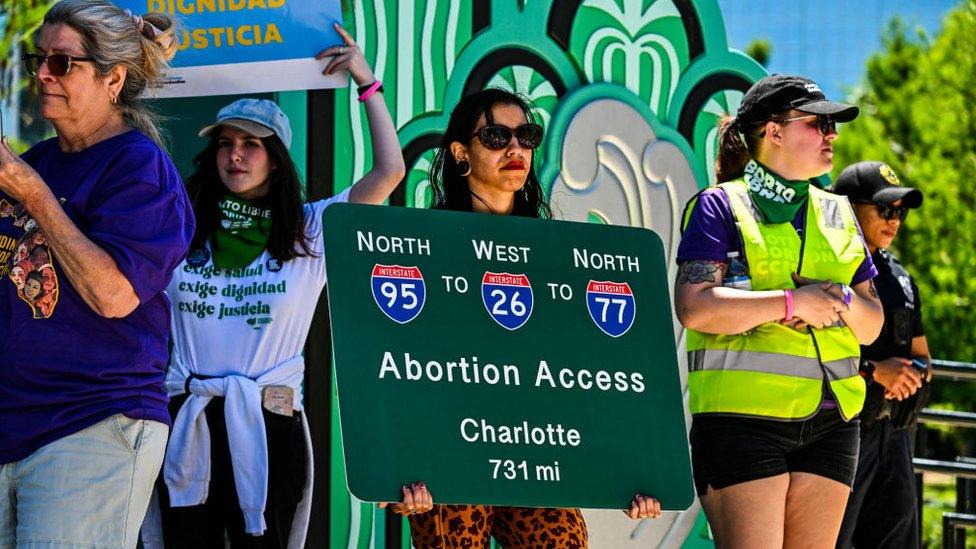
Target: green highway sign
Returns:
[[504, 360]]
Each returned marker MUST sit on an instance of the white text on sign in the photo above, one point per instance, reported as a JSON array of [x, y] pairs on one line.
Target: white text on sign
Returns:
[[605, 262], [488, 250], [382, 243], [471, 371]]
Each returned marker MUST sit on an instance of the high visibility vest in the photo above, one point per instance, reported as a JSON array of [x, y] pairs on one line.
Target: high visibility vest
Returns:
[[774, 371]]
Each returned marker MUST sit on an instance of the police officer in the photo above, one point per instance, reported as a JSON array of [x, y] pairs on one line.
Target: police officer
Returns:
[[881, 511]]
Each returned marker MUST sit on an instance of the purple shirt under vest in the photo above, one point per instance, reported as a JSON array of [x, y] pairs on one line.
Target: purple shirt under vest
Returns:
[[711, 234], [62, 366]]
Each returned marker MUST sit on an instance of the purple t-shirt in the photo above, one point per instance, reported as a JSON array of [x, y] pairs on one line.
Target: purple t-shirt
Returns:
[[711, 234], [62, 366]]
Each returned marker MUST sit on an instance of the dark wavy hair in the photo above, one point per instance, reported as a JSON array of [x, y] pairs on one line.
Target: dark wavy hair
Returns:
[[288, 239], [451, 191]]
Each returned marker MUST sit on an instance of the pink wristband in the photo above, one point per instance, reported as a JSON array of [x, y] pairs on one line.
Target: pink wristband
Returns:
[[372, 89], [789, 304]]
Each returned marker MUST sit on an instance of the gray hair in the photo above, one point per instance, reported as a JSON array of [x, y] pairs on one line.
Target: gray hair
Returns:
[[113, 37]]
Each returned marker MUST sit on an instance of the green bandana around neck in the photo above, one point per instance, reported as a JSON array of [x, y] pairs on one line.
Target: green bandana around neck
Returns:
[[242, 233], [777, 199]]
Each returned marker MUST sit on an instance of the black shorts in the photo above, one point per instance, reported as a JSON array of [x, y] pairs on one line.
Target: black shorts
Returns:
[[728, 450]]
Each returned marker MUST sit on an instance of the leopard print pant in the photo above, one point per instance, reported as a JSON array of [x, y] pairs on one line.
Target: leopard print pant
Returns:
[[472, 526]]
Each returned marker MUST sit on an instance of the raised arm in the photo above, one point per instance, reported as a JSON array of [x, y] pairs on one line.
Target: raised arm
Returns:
[[388, 168]]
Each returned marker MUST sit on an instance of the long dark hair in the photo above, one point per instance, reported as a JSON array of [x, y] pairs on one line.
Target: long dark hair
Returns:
[[451, 191], [288, 239], [733, 152]]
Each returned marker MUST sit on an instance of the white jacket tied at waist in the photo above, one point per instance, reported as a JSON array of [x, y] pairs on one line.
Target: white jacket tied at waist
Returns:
[[186, 469]]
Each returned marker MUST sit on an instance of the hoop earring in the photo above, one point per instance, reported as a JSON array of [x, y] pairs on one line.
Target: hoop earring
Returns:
[[115, 99], [463, 168]]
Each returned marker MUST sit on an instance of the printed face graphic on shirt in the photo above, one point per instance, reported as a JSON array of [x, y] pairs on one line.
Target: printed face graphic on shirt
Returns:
[[27, 262]]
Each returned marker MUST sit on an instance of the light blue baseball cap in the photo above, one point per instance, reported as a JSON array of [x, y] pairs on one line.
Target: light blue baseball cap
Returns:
[[258, 117]]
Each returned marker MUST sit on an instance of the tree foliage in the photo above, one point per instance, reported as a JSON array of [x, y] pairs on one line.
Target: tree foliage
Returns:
[[18, 20], [760, 49], [918, 114]]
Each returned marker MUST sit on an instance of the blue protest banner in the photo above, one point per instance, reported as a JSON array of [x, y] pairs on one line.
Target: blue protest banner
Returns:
[[246, 46]]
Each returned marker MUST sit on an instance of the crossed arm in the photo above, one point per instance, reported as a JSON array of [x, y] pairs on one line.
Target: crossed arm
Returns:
[[703, 304]]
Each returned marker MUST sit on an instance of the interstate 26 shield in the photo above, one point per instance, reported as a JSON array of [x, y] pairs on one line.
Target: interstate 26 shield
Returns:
[[507, 298], [611, 306], [398, 291]]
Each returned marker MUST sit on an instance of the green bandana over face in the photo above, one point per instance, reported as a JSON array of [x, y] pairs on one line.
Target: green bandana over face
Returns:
[[242, 233], [777, 199]]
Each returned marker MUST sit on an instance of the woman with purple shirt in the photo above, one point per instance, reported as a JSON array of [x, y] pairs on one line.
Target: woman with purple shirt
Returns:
[[103, 220], [774, 287]]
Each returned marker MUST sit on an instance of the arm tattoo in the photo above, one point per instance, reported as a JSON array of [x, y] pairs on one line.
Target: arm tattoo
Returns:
[[871, 290], [696, 272]]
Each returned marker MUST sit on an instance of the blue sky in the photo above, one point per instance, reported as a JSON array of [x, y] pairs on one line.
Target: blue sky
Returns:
[[826, 40]]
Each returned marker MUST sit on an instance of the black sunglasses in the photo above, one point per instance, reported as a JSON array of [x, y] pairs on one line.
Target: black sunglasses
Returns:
[[496, 137], [58, 63], [889, 212], [825, 123]]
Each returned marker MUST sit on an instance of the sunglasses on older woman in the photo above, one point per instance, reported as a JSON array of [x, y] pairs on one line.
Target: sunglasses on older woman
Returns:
[[496, 137], [58, 63]]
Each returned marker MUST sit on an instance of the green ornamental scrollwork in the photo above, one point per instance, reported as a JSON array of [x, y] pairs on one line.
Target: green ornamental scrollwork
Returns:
[[705, 137], [640, 44], [418, 191]]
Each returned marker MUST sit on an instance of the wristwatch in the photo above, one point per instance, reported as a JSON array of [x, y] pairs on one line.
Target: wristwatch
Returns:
[[866, 369]]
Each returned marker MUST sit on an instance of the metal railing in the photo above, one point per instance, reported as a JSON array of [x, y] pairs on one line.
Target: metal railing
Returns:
[[954, 524]]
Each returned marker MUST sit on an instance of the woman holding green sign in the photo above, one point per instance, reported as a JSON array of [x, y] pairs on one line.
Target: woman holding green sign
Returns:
[[775, 289], [239, 459], [484, 165]]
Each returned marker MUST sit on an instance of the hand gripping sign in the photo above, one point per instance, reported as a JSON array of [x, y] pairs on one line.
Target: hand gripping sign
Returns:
[[398, 291], [507, 298]]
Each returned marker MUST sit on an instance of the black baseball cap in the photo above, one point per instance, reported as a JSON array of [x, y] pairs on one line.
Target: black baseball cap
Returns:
[[875, 182], [778, 93]]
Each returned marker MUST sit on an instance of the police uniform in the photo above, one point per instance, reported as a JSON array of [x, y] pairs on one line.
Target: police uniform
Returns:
[[881, 511]]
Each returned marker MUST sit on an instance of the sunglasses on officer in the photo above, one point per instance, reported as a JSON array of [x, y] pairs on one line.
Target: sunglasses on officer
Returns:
[[888, 211], [825, 123], [496, 137], [57, 63]]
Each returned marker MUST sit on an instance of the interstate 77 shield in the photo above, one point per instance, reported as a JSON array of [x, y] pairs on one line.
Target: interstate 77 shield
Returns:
[[611, 306]]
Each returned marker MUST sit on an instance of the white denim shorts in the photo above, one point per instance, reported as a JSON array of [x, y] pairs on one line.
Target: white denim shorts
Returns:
[[88, 489]]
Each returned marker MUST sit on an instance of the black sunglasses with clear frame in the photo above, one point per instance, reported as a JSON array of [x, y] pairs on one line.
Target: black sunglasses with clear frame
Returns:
[[888, 211], [58, 63], [496, 137], [825, 123]]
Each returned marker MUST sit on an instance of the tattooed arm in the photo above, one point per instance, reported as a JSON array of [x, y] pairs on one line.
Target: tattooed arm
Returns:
[[866, 316], [703, 304]]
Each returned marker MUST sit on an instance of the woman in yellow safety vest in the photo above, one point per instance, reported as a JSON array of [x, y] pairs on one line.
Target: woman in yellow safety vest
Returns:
[[774, 287]]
